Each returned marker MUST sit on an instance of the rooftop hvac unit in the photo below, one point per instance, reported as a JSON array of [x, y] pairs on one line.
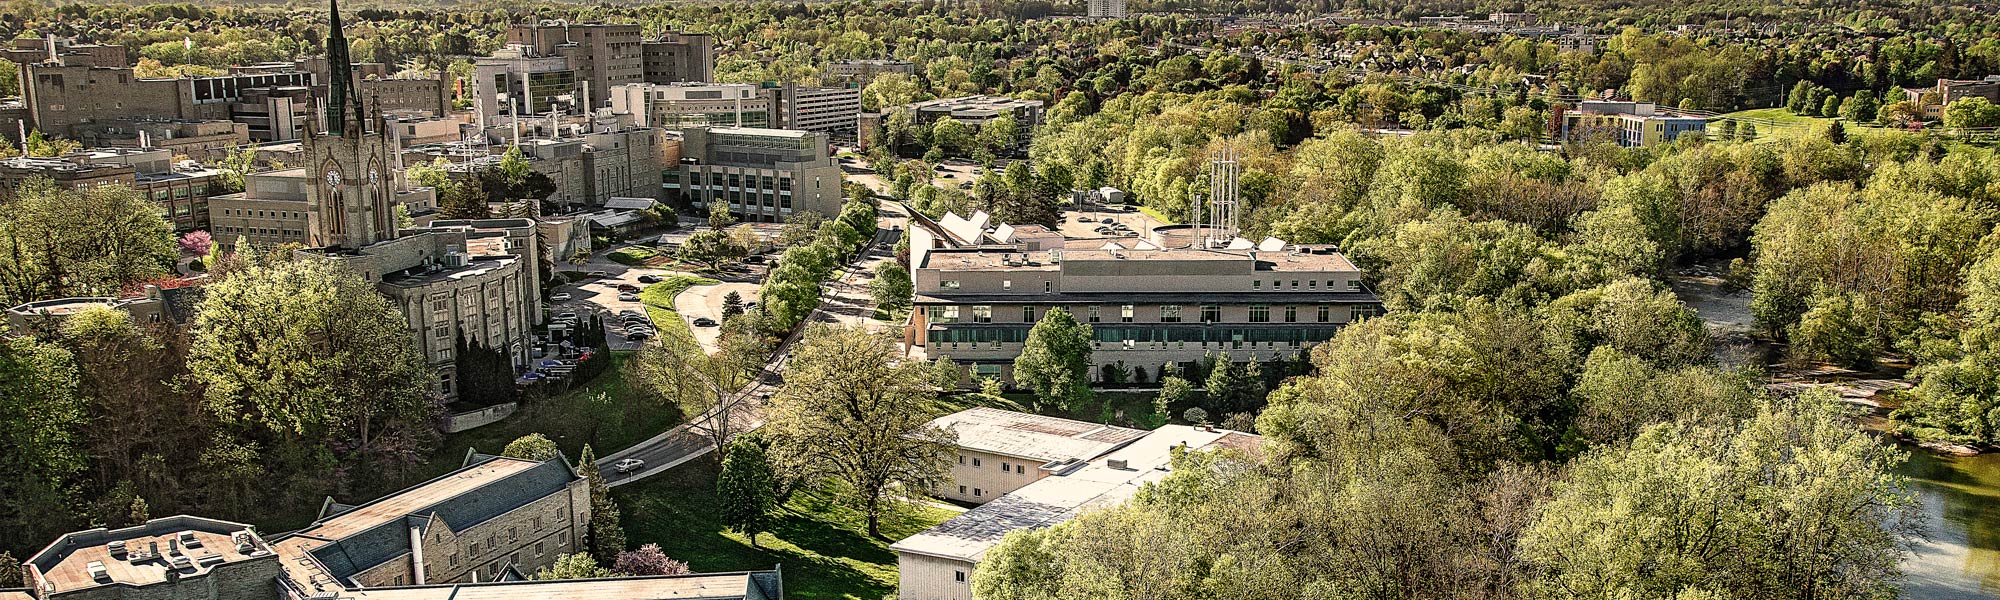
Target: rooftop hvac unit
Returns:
[[457, 259], [116, 547], [1117, 463], [180, 561], [189, 540], [97, 571]]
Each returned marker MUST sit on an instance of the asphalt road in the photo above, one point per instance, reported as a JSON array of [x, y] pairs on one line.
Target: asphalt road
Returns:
[[846, 300]]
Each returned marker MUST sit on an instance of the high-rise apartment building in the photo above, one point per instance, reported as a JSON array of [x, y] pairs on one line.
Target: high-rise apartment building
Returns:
[[1106, 9]]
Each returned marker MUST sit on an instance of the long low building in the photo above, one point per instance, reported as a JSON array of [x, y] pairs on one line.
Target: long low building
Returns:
[[937, 564], [1170, 298], [1000, 451]]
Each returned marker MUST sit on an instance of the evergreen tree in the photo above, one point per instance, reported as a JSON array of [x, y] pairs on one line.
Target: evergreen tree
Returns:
[[732, 304], [1836, 133], [606, 537], [745, 488], [485, 375], [10, 571]]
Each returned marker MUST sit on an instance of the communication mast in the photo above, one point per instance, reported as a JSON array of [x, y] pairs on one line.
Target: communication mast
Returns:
[[1222, 189]]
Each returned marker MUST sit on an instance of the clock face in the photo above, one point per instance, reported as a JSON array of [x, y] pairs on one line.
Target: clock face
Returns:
[[333, 177]]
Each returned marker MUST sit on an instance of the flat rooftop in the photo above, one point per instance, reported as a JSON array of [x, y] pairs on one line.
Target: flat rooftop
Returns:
[[1102, 483], [1033, 436], [66, 563], [706, 586]]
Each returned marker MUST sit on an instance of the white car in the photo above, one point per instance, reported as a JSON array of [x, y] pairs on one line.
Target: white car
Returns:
[[628, 296], [563, 297], [628, 465]]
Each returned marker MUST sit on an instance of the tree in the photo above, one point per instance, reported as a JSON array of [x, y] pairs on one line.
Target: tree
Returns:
[[1234, 387], [707, 388], [58, 241], [606, 538], [1055, 361], [891, 287], [196, 243], [1173, 390], [851, 411], [485, 375], [745, 489], [719, 218], [308, 350], [534, 446], [42, 418], [10, 571], [1861, 108], [462, 200], [1728, 508], [647, 561], [710, 248], [732, 304], [573, 566], [1971, 111], [1836, 133]]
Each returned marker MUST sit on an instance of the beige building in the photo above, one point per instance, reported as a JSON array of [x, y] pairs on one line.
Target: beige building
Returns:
[[601, 55], [679, 56], [198, 140], [272, 102], [937, 564], [764, 175], [25, 50], [1166, 298], [272, 208], [1000, 451]]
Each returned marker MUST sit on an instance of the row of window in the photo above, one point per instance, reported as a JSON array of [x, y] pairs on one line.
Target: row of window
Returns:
[[1200, 335], [263, 214], [263, 231], [1005, 467], [1353, 285], [1168, 313]]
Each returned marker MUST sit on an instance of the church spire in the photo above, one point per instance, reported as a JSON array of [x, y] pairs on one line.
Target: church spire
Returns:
[[341, 89]]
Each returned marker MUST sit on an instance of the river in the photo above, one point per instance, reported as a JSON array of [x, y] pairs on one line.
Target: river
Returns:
[[1959, 556]]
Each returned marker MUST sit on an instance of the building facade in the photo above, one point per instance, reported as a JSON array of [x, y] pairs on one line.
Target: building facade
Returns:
[[863, 71], [1629, 124], [517, 80], [1105, 9], [59, 97], [824, 109], [25, 50], [673, 106], [978, 110], [1163, 300], [1000, 451], [679, 56], [764, 175], [180, 190], [602, 55], [200, 140]]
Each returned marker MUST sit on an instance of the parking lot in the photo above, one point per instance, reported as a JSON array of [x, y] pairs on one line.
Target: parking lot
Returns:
[[1123, 223]]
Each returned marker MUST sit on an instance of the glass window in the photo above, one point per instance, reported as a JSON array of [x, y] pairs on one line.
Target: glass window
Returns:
[[1211, 313], [1353, 284], [1256, 284], [1260, 313], [1096, 313], [1125, 313], [1006, 284], [982, 314], [948, 284], [1027, 314], [1325, 313], [1291, 314], [1170, 313]]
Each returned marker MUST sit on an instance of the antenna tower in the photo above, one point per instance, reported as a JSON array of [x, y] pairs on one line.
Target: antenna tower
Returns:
[[1223, 171]]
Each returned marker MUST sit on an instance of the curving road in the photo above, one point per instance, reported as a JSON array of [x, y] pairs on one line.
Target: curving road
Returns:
[[845, 301]]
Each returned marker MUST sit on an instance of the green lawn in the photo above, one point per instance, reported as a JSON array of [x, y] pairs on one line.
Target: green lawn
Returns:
[[602, 412], [1155, 214], [824, 546], [632, 255], [659, 301]]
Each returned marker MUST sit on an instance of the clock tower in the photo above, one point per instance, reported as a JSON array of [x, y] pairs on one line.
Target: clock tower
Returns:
[[351, 199]]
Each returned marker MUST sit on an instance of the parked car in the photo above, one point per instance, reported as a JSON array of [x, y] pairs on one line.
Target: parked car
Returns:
[[704, 322], [626, 287], [598, 274], [561, 297], [630, 313], [628, 465], [639, 335], [1107, 220], [649, 279], [1083, 219], [628, 296], [753, 259]]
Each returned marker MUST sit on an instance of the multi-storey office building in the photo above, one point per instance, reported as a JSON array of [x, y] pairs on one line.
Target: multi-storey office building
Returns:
[[864, 71], [738, 105], [180, 190], [272, 102], [679, 56], [1630, 124], [24, 50], [602, 55], [1166, 299], [200, 140], [764, 175], [520, 80]]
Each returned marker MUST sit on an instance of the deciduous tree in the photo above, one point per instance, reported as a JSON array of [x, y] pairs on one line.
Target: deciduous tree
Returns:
[[1055, 361]]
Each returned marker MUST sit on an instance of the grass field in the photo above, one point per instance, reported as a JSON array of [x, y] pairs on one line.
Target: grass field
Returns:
[[823, 545], [601, 412], [659, 301]]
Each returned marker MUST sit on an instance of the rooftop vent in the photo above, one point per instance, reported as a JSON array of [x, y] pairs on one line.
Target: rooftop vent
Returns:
[[97, 571], [180, 561], [116, 547], [1117, 463], [189, 540]]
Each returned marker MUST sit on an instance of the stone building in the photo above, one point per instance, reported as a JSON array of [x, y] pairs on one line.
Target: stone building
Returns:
[[473, 534], [1170, 297], [181, 190], [765, 175], [199, 140], [602, 55], [25, 50]]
